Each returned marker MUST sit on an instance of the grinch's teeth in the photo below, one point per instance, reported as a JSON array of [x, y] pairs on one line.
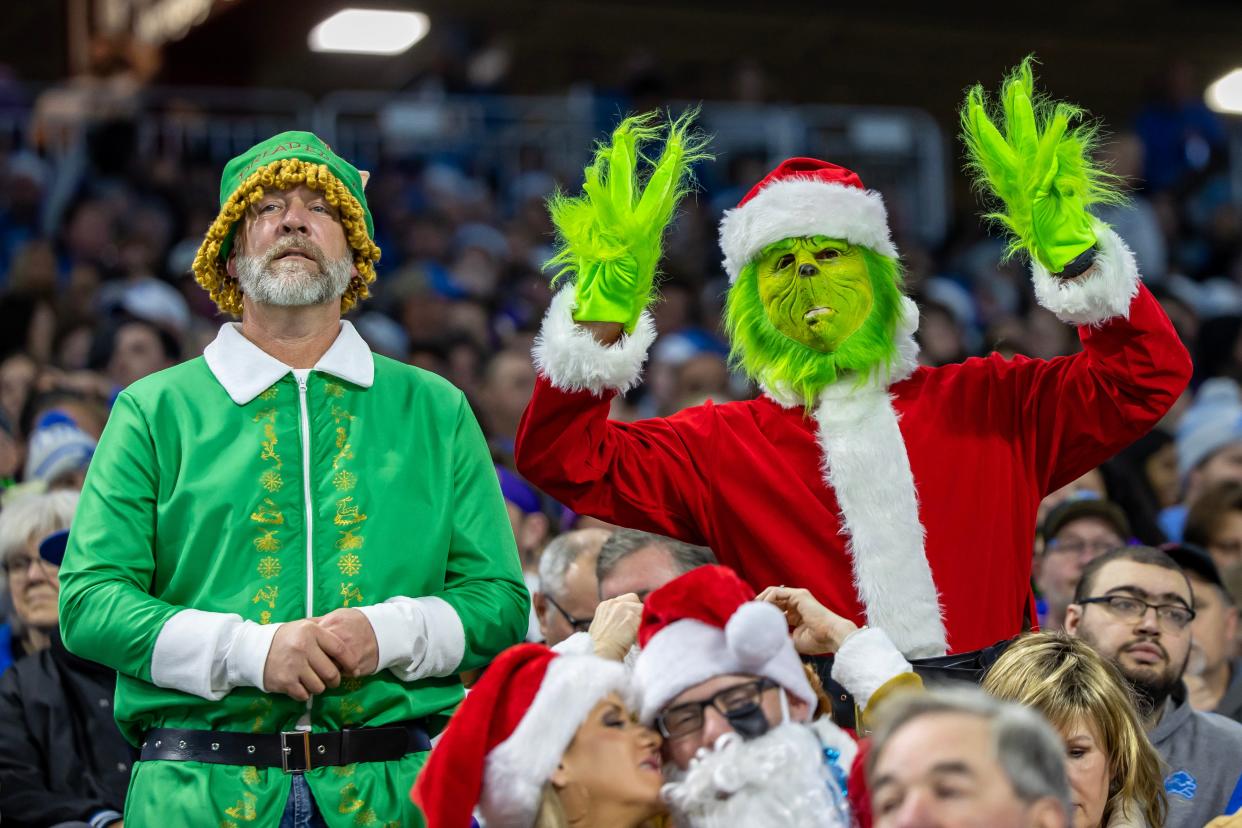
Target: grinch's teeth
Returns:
[[815, 313]]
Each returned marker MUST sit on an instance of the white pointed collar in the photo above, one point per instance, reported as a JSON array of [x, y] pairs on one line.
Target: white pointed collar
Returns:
[[246, 370]]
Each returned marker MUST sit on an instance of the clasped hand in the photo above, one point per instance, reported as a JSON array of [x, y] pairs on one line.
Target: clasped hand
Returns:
[[311, 655]]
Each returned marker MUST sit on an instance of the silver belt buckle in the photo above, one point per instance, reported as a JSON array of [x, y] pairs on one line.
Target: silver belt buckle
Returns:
[[287, 748]]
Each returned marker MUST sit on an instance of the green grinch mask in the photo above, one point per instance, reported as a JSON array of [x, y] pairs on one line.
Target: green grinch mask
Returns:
[[864, 332], [815, 290]]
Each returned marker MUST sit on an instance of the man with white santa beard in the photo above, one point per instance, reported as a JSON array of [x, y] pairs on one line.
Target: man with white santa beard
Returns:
[[720, 678]]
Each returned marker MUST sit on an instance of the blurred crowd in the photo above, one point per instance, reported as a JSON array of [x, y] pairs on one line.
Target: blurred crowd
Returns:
[[95, 249]]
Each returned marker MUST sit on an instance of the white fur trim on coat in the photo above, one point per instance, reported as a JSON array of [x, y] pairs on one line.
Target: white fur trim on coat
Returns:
[[867, 661], [574, 360], [1101, 294], [866, 465], [689, 652], [518, 767], [803, 207], [830, 735]]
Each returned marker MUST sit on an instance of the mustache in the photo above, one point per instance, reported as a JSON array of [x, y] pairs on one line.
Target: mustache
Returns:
[[300, 245], [1150, 643]]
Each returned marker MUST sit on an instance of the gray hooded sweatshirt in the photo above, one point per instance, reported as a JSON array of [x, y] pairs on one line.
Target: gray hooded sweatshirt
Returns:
[[1202, 753]]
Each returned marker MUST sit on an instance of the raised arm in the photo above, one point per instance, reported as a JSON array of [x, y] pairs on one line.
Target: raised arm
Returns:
[[595, 339]]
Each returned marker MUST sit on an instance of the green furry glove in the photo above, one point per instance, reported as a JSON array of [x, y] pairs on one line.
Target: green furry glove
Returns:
[[610, 236], [1040, 169]]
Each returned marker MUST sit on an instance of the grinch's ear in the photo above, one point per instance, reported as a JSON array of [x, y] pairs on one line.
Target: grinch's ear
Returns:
[[366, 176]]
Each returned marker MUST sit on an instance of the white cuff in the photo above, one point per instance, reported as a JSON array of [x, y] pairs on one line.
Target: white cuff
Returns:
[[417, 637], [866, 661], [579, 643], [248, 656], [207, 654], [1104, 292], [574, 360]]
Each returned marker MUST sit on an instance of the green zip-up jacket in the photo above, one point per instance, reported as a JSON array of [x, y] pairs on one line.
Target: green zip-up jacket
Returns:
[[228, 495]]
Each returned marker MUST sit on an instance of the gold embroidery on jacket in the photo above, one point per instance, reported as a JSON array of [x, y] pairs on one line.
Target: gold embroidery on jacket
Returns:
[[347, 514], [268, 512], [268, 451], [269, 567], [349, 592], [349, 540], [268, 542], [344, 480], [266, 594], [271, 481], [349, 564]]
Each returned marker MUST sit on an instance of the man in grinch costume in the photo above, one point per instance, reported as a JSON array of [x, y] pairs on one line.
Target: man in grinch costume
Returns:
[[901, 496], [291, 546]]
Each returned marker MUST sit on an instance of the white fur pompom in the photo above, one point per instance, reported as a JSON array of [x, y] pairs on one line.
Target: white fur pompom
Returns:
[[756, 633]]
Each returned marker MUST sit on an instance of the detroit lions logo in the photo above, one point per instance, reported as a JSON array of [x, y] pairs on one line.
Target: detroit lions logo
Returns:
[[1181, 784]]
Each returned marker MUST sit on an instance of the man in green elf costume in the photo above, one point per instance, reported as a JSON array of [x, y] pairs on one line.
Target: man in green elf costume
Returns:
[[291, 546]]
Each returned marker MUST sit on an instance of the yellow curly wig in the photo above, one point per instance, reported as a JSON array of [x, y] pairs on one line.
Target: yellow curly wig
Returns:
[[285, 174]]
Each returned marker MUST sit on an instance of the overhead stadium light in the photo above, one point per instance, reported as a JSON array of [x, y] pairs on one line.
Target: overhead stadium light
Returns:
[[369, 32], [1225, 94]]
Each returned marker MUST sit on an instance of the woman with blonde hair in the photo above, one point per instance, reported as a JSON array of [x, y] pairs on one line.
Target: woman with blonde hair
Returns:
[[544, 741], [1114, 772]]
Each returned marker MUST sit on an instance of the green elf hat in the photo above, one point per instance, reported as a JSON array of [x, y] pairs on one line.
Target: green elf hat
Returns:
[[284, 162]]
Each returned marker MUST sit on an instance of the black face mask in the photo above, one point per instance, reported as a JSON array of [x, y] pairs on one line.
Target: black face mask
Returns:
[[749, 723]]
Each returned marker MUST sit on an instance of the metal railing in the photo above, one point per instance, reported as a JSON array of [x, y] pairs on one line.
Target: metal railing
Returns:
[[899, 151]]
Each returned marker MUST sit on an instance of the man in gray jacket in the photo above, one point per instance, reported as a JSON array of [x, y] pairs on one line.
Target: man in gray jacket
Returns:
[[1135, 606]]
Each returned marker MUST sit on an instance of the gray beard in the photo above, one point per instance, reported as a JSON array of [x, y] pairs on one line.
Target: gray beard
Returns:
[[291, 283], [777, 780]]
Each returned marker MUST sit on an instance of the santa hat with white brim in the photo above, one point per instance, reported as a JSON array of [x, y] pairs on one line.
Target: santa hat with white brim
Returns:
[[507, 738], [704, 624], [804, 197]]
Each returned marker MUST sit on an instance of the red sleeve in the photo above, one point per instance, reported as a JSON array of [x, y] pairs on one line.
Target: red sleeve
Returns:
[[645, 475], [1075, 412]]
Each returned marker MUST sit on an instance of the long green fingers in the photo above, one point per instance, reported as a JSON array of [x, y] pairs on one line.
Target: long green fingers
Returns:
[[610, 237], [1028, 155]]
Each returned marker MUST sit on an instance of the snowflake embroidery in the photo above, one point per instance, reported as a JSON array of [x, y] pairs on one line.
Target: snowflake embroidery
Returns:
[[271, 480], [344, 480], [349, 564], [269, 567]]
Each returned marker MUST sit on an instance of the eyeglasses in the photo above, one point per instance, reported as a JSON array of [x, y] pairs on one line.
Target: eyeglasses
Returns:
[[578, 624], [1128, 608], [1077, 548], [687, 718], [19, 564]]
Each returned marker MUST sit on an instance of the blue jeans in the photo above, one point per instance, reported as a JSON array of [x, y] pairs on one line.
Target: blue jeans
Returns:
[[301, 810]]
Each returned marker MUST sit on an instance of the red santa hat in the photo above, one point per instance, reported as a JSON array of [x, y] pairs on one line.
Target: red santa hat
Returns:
[[804, 197], [706, 623], [504, 742]]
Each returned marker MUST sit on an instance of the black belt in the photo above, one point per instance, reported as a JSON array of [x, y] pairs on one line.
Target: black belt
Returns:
[[293, 751], [961, 667]]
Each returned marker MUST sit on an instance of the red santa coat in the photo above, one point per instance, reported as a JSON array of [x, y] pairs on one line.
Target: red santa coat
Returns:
[[837, 500]]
